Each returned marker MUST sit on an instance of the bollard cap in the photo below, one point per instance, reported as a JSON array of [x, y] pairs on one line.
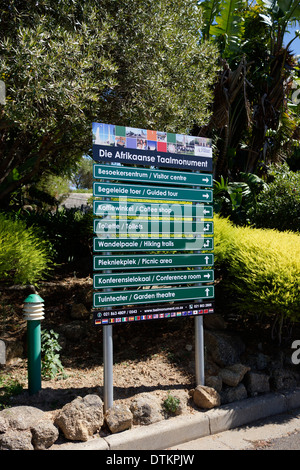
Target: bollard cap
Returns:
[[33, 308], [33, 299]]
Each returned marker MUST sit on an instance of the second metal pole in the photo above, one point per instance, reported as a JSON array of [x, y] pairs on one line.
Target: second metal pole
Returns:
[[108, 366], [199, 350]]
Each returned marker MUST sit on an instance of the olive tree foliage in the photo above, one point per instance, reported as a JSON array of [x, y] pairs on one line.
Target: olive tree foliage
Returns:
[[68, 63]]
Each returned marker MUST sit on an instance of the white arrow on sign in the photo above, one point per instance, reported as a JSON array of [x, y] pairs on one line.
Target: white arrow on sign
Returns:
[[207, 275], [207, 292], [206, 195], [206, 259]]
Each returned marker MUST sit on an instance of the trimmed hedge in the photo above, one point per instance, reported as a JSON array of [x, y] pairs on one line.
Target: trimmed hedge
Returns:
[[261, 269]]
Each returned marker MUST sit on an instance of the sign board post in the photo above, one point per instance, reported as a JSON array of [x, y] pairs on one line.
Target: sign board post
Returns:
[[108, 366], [153, 232]]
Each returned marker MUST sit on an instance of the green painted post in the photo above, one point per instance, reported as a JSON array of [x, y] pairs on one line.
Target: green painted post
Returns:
[[34, 356], [33, 313]]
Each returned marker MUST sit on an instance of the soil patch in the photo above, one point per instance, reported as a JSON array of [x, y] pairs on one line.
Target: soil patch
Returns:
[[154, 356]]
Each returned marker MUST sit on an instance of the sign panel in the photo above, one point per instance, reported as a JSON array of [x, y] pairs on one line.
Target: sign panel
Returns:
[[152, 312], [144, 175], [146, 296], [152, 261], [141, 226], [153, 244], [143, 147], [151, 192], [146, 230], [102, 281], [126, 208]]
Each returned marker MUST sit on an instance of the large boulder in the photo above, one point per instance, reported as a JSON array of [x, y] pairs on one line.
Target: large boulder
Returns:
[[118, 418], [44, 434], [146, 409], [224, 349], [16, 440], [257, 382], [21, 417], [231, 394], [81, 418], [233, 375], [26, 428]]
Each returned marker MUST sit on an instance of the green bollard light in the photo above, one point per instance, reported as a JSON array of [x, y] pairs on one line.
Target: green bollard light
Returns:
[[34, 312]]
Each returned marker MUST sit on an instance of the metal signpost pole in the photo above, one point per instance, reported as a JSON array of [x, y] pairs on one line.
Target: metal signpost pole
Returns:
[[199, 350], [108, 366]]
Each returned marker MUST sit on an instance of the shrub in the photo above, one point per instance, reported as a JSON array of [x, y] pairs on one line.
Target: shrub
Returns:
[[171, 404], [262, 269], [68, 232], [279, 204], [23, 255]]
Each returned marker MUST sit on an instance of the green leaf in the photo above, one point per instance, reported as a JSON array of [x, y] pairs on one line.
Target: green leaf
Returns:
[[229, 22]]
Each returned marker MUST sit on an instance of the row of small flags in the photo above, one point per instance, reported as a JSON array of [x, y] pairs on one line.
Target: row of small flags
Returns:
[[103, 321]]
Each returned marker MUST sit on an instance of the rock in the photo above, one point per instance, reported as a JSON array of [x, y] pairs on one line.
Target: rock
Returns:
[[81, 418], [26, 428], [22, 417], [16, 440], [214, 321], [231, 394], [225, 349], [2, 352], [79, 311], [206, 397], [74, 331], [44, 434], [146, 409], [233, 375], [215, 382], [118, 418], [262, 361], [257, 382], [11, 351], [4, 426], [282, 379]]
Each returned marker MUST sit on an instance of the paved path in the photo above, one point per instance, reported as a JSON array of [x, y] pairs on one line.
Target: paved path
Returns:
[[77, 200], [279, 432]]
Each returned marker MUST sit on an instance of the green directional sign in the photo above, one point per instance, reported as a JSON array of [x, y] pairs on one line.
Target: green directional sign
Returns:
[[153, 244], [152, 261], [153, 229], [102, 281], [152, 176], [146, 296], [142, 226], [152, 192], [126, 208]]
